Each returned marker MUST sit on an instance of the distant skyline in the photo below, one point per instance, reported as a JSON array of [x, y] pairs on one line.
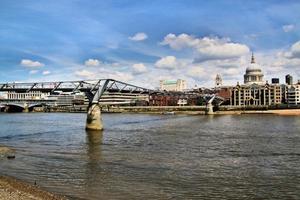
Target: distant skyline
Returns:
[[142, 42]]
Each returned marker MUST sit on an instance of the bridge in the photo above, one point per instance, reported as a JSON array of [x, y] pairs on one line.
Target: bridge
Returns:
[[24, 105], [93, 89]]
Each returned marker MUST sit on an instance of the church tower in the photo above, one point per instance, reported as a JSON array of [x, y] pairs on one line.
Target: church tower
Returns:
[[218, 80]]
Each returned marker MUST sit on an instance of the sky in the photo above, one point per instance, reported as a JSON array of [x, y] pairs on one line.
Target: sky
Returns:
[[143, 41]]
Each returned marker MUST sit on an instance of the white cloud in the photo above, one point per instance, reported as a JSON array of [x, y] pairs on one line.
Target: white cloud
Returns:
[[92, 63], [139, 37], [206, 48], [103, 73], [46, 72], [85, 74], [33, 71], [115, 64], [296, 48], [168, 62], [288, 28], [232, 71], [121, 76], [181, 41], [196, 72], [31, 63], [294, 51], [139, 68]]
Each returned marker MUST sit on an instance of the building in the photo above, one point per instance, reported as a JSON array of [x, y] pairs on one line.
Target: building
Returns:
[[32, 95], [293, 94], [253, 73], [176, 99], [65, 99], [289, 79], [275, 80], [119, 98], [225, 93], [173, 85], [255, 92], [257, 95], [182, 102]]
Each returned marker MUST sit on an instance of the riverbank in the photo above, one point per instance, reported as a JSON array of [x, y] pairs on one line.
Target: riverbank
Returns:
[[5, 151], [276, 112], [200, 110], [187, 110], [12, 189]]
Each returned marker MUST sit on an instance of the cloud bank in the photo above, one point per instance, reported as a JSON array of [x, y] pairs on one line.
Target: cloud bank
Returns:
[[206, 48], [139, 37], [92, 62], [31, 64]]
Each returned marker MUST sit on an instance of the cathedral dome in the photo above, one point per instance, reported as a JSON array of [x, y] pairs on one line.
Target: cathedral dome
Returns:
[[253, 73], [253, 68]]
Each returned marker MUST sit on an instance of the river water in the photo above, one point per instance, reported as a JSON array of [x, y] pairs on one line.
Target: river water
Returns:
[[140, 156]]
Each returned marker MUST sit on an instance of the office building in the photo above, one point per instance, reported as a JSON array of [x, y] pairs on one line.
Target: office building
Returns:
[[32, 95], [275, 80], [289, 79], [173, 85], [293, 94]]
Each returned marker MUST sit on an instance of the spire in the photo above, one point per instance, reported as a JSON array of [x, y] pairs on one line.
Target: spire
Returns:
[[252, 58]]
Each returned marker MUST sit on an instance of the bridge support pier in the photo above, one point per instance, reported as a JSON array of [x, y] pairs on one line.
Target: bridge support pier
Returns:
[[6, 109], [209, 109], [26, 110], [94, 119]]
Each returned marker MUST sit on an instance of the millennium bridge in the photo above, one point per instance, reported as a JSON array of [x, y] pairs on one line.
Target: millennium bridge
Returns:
[[93, 89]]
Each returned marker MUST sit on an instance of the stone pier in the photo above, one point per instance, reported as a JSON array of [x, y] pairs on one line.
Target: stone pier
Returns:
[[6, 109], [209, 109], [94, 119], [26, 109]]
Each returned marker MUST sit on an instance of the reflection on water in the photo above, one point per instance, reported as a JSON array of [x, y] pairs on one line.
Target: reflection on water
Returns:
[[94, 156], [156, 157], [94, 141]]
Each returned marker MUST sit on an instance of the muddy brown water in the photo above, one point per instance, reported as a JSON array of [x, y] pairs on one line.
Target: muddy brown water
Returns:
[[140, 156]]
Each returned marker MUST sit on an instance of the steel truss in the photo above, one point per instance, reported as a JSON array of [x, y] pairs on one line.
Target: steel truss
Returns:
[[93, 89]]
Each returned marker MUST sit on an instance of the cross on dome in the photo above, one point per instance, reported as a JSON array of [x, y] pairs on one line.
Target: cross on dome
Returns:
[[252, 58]]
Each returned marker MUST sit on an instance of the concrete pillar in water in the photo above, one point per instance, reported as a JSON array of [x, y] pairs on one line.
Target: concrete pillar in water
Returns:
[[26, 109], [6, 109], [94, 120], [209, 109]]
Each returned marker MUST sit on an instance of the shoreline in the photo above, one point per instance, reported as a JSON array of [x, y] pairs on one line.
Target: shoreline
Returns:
[[12, 188], [194, 111], [283, 112]]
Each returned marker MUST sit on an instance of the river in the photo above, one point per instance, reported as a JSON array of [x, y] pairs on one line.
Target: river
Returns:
[[140, 156]]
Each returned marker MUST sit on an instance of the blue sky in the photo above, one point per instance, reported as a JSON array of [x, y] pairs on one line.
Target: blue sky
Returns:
[[144, 41]]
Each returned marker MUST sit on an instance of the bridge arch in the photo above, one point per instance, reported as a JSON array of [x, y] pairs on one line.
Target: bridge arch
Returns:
[[32, 106], [2, 108], [12, 107]]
